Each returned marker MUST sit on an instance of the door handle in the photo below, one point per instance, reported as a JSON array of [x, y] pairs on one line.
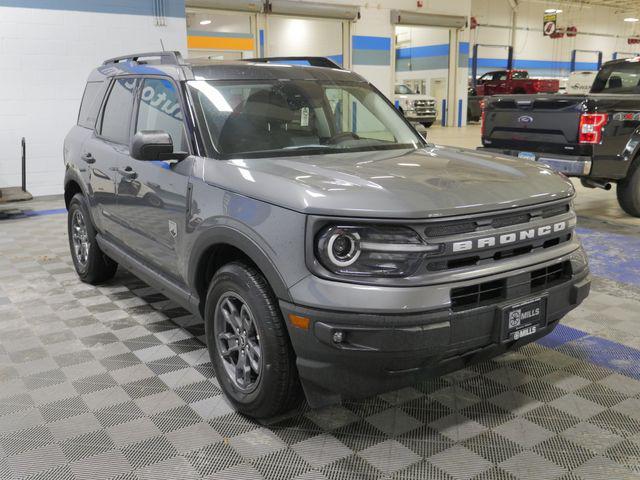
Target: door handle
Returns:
[[88, 158], [127, 173]]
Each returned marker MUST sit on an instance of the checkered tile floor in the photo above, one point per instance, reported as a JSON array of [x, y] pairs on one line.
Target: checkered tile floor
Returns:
[[114, 383]]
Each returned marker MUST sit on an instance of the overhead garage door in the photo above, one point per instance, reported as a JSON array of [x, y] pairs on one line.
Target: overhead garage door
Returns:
[[222, 29], [309, 29]]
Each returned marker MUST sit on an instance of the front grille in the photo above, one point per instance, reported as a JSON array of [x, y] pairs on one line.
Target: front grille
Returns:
[[473, 296], [495, 254], [489, 227], [496, 221], [496, 291], [422, 107]]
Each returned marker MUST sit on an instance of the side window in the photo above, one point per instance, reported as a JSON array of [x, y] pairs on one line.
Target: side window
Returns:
[[91, 100], [116, 116], [502, 76], [160, 110]]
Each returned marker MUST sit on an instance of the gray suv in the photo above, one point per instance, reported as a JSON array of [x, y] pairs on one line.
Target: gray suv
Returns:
[[327, 246]]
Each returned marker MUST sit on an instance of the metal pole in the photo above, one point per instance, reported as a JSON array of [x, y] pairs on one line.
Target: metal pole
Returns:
[[24, 165]]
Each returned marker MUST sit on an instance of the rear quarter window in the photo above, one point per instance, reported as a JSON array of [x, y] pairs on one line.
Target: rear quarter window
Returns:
[[93, 93]]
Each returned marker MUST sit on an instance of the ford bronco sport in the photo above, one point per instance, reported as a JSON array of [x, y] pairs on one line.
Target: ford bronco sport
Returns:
[[328, 247]]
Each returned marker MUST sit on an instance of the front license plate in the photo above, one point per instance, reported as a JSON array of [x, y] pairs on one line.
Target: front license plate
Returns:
[[527, 155], [523, 318]]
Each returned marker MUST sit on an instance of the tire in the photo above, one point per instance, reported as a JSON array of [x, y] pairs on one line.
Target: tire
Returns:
[[274, 387], [92, 266], [426, 124], [628, 190]]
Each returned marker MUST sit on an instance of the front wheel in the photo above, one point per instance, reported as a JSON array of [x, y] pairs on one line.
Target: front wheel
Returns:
[[628, 190], [91, 264], [426, 124], [248, 343]]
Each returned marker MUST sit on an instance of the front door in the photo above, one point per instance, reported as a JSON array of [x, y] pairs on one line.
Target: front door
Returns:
[[105, 151], [152, 195]]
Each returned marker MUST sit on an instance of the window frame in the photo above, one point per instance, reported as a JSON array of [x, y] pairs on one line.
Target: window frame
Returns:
[[136, 108]]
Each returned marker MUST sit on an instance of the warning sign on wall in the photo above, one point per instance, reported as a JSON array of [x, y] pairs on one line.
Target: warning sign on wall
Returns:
[[549, 24]]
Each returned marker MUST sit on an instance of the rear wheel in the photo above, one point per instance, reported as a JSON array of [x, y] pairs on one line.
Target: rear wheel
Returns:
[[90, 263], [248, 343], [628, 190]]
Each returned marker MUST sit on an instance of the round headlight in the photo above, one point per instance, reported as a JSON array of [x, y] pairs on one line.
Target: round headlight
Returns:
[[343, 248]]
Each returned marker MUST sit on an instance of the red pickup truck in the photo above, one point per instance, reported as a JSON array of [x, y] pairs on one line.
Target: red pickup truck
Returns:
[[514, 81]]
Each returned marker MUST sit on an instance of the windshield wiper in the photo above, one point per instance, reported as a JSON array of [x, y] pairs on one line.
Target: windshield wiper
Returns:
[[310, 147]]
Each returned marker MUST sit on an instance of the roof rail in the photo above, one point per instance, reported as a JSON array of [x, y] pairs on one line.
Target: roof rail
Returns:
[[166, 58], [312, 61]]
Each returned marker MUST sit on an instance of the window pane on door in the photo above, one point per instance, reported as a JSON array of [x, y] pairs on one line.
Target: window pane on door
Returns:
[[160, 110], [116, 119]]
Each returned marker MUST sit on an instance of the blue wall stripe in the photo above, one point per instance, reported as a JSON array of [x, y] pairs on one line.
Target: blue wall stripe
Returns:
[[423, 63], [173, 8], [361, 42], [372, 57], [424, 51], [337, 59], [534, 64]]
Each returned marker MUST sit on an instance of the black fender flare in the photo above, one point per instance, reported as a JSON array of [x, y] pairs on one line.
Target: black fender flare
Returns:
[[631, 152], [225, 234], [72, 175]]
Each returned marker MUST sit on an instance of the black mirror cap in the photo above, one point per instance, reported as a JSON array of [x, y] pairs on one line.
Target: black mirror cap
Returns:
[[154, 145]]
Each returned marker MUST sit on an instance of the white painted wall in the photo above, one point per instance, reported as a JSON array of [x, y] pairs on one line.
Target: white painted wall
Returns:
[[45, 58]]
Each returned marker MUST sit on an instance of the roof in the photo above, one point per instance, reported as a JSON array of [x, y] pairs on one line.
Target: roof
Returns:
[[173, 65]]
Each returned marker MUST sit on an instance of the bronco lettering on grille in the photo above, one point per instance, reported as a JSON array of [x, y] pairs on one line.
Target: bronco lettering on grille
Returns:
[[507, 238]]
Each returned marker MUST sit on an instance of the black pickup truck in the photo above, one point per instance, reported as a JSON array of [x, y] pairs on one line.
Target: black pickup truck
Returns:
[[595, 137]]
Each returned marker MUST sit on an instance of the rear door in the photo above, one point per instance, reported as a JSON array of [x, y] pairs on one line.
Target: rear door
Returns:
[[152, 195], [106, 150]]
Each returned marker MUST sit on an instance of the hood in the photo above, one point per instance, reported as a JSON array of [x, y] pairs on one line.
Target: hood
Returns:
[[430, 182]]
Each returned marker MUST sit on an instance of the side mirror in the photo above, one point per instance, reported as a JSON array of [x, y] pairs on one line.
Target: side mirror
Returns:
[[154, 145]]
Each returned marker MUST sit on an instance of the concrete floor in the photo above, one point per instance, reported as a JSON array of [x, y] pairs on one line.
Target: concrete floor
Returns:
[[114, 382]]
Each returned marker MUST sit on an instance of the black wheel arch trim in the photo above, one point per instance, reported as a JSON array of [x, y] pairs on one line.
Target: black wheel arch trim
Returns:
[[223, 234], [72, 176]]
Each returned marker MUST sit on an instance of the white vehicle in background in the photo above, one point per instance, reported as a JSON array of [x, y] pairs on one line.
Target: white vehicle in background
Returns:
[[580, 82], [415, 107]]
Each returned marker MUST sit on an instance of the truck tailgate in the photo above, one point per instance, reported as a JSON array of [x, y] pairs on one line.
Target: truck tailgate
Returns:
[[541, 123]]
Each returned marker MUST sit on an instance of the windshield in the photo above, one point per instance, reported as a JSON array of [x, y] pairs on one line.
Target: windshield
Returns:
[[403, 90], [618, 78], [274, 118]]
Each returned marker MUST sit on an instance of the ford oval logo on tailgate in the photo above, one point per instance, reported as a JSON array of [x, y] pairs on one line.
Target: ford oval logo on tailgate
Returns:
[[526, 119]]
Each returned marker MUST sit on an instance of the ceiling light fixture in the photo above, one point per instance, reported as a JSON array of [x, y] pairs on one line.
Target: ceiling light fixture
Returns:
[[553, 10], [632, 19], [205, 22]]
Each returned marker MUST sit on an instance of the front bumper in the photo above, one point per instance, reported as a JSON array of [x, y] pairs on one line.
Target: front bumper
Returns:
[[413, 116], [386, 351], [570, 165]]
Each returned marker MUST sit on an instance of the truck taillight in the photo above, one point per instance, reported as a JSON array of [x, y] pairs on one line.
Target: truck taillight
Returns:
[[591, 126]]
